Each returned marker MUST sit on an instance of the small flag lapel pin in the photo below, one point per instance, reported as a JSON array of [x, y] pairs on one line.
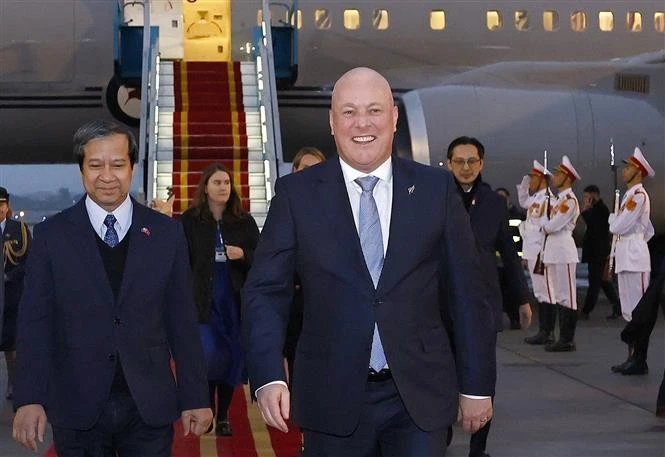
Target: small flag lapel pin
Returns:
[[411, 189], [145, 231]]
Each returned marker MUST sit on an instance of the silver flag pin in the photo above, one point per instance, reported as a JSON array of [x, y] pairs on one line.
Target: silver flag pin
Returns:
[[411, 189]]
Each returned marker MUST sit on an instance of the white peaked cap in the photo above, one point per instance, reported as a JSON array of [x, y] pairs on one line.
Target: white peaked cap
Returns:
[[539, 169], [566, 167], [638, 160]]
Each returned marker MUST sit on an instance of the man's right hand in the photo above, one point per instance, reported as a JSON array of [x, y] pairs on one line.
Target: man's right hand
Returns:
[[274, 402], [29, 425]]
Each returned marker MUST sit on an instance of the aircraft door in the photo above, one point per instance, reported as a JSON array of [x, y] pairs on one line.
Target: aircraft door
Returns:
[[207, 30]]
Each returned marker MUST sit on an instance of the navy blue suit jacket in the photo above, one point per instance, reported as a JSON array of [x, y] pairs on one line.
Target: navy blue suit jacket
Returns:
[[310, 232], [70, 326], [489, 220]]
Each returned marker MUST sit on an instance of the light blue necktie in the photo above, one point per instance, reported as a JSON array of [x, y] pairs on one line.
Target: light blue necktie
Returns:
[[111, 236], [371, 240]]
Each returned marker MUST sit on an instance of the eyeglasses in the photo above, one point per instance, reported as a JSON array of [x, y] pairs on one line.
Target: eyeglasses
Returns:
[[473, 161]]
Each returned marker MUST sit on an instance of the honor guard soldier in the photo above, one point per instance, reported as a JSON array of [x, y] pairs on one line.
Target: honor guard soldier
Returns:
[[632, 228], [533, 195], [15, 240], [560, 253]]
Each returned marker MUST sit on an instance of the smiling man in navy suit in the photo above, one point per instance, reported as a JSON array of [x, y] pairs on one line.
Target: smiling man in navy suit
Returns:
[[383, 247], [107, 303]]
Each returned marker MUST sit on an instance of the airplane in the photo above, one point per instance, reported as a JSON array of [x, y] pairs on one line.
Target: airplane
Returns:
[[522, 76]]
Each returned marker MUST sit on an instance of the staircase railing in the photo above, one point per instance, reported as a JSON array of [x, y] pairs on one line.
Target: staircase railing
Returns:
[[270, 127]]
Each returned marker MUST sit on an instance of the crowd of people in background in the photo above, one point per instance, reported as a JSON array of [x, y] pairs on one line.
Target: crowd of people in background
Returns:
[[228, 303]]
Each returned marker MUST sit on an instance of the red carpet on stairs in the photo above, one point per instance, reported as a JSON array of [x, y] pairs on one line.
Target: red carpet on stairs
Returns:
[[251, 437], [208, 126]]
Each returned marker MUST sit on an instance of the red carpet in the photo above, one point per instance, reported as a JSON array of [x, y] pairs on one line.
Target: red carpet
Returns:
[[208, 126], [251, 437]]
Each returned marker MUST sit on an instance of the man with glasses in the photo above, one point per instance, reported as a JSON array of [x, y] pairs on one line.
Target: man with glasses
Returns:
[[489, 221]]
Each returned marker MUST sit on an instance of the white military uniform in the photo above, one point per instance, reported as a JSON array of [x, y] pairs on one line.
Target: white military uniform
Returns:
[[560, 253], [631, 255], [536, 206]]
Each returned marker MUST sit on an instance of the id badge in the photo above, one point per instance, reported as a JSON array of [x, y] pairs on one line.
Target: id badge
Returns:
[[220, 255]]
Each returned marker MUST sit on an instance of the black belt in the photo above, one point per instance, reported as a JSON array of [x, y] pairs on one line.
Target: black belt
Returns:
[[379, 376]]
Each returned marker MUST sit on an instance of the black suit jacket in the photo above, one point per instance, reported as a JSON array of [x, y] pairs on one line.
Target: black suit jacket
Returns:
[[596, 244], [200, 235], [489, 220], [310, 232], [70, 326]]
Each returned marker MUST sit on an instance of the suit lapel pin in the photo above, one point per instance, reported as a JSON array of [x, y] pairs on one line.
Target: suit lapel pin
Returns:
[[145, 231], [411, 189]]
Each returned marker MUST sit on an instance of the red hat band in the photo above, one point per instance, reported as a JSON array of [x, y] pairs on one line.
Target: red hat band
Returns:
[[568, 172], [639, 165]]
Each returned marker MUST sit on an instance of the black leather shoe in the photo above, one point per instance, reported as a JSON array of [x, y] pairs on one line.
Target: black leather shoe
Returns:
[[561, 346], [542, 337], [619, 368], [223, 428], [635, 368]]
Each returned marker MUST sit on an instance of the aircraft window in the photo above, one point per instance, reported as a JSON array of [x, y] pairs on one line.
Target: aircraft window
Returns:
[[296, 20], [380, 19], [522, 21], [606, 21], [437, 20], [634, 21], [550, 21], [659, 21], [578, 21], [494, 20], [322, 19], [351, 19]]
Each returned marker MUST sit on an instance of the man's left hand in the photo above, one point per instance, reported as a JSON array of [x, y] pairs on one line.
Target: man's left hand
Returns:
[[474, 414], [525, 316], [196, 421]]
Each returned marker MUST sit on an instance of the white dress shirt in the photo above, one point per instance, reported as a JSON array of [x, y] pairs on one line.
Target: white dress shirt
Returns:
[[123, 217]]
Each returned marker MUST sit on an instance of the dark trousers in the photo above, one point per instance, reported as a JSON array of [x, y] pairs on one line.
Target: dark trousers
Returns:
[[595, 284], [224, 394], [478, 441], [660, 402], [385, 429], [120, 432]]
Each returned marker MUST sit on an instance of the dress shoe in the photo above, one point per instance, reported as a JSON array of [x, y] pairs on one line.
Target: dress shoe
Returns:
[[561, 346], [515, 325], [613, 316], [542, 337], [584, 316], [619, 368], [635, 367], [223, 428]]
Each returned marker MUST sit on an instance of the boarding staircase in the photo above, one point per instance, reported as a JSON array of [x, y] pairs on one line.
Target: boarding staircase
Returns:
[[209, 112]]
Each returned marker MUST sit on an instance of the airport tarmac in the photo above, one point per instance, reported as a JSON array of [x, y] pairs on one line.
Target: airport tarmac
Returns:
[[547, 404]]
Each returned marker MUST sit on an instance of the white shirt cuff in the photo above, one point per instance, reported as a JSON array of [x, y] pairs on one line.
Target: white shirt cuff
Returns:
[[474, 397], [256, 393]]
